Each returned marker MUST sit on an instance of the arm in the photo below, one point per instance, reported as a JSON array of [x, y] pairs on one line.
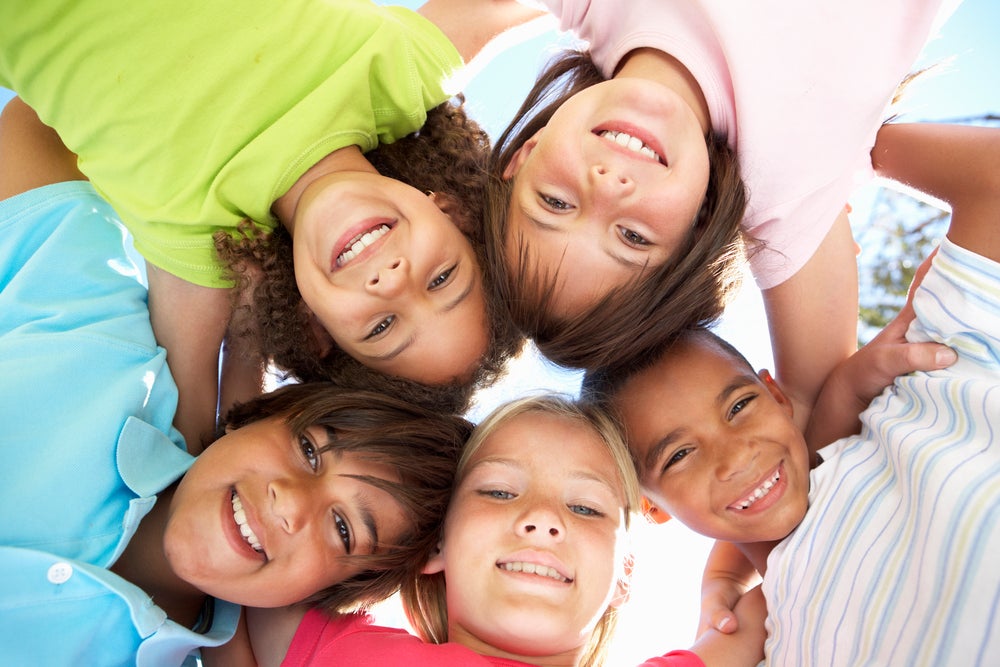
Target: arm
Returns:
[[190, 321], [234, 653], [957, 163], [31, 153], [472, 25], [727, 576], [813, 319], [743, 647], [272, 630]]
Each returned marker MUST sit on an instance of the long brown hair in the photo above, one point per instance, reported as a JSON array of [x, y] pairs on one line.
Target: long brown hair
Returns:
[[691, 287]]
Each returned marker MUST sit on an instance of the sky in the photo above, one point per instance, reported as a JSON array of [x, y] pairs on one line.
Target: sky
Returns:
[[662, 612]]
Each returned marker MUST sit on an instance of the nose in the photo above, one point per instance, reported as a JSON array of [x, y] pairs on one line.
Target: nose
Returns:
[[541, 522], [289, 504], [391, 279], [737, 456], [610, 184]]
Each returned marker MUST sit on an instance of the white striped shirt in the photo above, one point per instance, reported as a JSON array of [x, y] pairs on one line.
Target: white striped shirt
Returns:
[[897, 561]]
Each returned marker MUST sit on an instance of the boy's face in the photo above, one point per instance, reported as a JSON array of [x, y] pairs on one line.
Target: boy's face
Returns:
[[534, 539], [716, 446], [263, 519], [607, 188], [390, 277]]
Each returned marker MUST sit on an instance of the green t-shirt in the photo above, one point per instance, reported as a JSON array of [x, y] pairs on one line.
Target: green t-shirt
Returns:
[[191, 116]]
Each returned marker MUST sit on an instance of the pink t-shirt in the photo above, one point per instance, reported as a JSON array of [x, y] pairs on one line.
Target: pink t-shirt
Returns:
[[353, 640], [798, 88]]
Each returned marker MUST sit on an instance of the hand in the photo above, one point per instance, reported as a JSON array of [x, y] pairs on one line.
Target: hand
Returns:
[[718, 599], [857, 380]]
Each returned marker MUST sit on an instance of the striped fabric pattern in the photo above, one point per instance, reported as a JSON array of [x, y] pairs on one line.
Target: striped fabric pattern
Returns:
[[898, 559]]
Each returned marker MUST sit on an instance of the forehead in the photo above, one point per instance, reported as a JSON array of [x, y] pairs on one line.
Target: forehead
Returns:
[[548, 442], [679, 386]]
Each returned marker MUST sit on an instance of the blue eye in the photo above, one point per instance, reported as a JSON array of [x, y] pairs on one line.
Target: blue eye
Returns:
[[497, 494], [381, 327], [441, 279], [583, 510], [309, 452]]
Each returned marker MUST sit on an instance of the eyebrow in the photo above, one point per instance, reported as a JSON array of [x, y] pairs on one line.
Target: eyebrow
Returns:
[[656, 451], [412, 338], [367, 518], [575, 474], [620, 259]]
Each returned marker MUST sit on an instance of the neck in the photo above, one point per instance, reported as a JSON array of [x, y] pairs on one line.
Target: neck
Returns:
[[144, 564], [348, 158], [655, 65], [757, 553]]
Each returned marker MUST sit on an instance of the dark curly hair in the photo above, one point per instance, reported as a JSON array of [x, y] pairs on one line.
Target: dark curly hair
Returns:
[[448, 156], [423, 446], [629, 323]]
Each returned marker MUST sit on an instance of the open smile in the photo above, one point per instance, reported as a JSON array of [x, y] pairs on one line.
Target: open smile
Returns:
[[633, 140], [249, 537], [771, 483], [361, 240]]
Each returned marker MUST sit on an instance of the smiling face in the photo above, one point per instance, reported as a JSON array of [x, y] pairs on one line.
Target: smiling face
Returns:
[[264, 519], [609, 186], [716, 446], [534, 539], [390, 277]]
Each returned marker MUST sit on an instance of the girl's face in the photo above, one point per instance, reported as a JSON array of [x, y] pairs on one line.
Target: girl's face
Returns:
[[610, 186], [534, 540], [390, 277], [716, 446], [263, 519]]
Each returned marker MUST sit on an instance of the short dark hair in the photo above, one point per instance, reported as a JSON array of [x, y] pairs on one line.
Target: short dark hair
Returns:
[[422, 446]]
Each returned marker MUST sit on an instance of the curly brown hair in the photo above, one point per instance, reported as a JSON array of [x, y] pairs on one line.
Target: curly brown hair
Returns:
[[627, 324], [447, 156], [423, 446]]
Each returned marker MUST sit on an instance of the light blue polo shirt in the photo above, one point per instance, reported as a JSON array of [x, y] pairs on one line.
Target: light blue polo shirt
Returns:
[[86, 439]]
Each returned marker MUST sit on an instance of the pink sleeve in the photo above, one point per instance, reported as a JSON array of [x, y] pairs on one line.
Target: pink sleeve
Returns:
[[675, 659]]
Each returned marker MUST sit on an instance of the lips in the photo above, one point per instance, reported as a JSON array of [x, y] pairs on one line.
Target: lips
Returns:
[[538, 564], [632, 139], [247, 533], [759, 492], [358, 239]]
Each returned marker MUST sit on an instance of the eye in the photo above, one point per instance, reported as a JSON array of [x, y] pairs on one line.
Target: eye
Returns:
[[497, 494], [309, 452], [739, 405], [553, 203], [441, 279], [632, 238], [676, 457], [584, 510], [381, 327], [343, 531]]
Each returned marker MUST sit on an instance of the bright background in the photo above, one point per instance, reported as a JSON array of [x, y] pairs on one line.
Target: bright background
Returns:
[[663, 610]]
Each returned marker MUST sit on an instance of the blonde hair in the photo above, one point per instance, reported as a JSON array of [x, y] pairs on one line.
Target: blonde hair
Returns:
[[423, 595]]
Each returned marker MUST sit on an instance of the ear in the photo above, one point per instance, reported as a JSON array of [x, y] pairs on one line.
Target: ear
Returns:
[[451, 208], [776, 393], [435, 563], [521, 156], [624, 586], [324, 341]]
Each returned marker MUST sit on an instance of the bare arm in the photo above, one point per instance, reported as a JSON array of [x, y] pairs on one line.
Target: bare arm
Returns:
[[234, 653], [959, 164], [31, 153], [472, 25], [728, 575], [271, 632], [743, 647], [190, 322], [813, 319]]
